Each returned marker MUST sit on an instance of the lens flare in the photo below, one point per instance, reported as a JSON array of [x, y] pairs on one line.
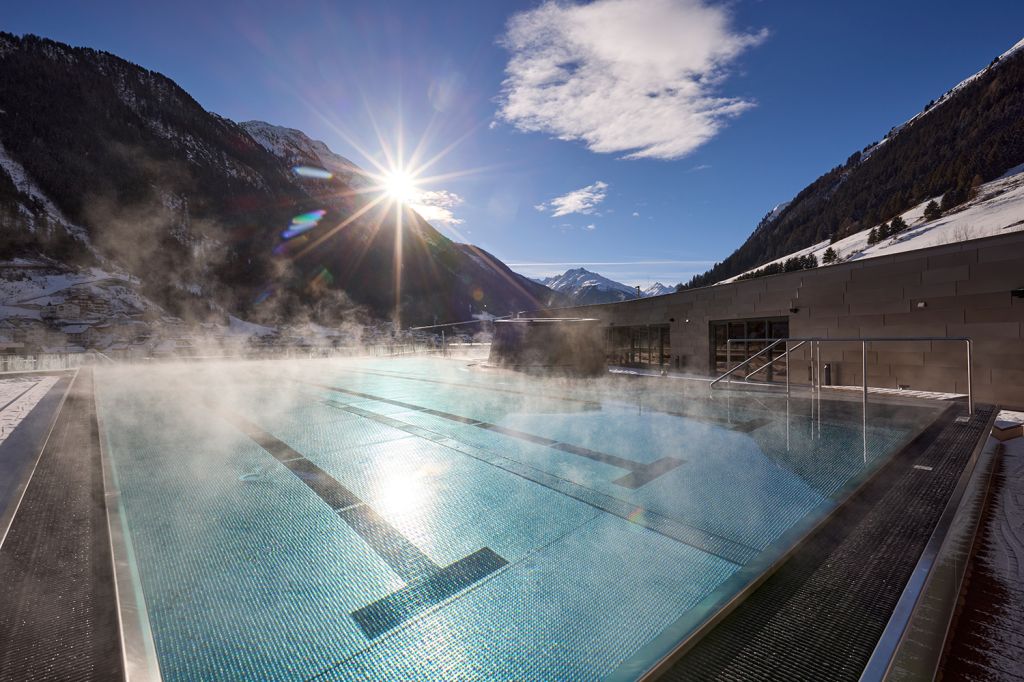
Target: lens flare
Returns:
[[313, 217], [312, 172], [636, 515], [303, 222], [264, 295]]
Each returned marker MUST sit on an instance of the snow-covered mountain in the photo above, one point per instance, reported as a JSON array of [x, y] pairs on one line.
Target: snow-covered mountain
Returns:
[[296, 148], [968, 136], [659, 289], [996, 208], [581, 286]]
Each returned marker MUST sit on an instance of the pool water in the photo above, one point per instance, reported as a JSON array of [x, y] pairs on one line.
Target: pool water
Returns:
[[432, 519]]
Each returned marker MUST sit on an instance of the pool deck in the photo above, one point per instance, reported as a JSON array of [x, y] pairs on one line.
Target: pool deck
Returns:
[[58, 608], [987, 638], [822, 613]]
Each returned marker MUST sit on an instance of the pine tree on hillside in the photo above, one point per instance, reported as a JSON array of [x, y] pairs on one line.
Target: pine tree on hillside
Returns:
[[830, 256], [884, 232], [872, 237], [898, 225], [932, 211]]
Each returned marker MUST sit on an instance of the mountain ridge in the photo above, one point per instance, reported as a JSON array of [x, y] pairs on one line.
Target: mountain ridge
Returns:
[[199, 207], [585, 287], [968, 136]]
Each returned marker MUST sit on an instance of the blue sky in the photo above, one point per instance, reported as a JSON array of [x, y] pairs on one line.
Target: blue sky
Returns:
[[642, 139]]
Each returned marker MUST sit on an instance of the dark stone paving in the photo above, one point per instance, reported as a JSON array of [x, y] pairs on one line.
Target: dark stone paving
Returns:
[[58, 612], [821, 614], [987, 638]]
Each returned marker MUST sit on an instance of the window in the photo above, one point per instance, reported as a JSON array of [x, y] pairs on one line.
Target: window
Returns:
[[639, 346], [759, 333]]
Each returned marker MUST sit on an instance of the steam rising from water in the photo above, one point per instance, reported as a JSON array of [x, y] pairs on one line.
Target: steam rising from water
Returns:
[[221, 527]]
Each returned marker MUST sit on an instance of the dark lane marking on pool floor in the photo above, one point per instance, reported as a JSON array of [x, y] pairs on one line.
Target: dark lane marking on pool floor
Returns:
[[639, 473], [742, 427], [427, 584], [702, 540]]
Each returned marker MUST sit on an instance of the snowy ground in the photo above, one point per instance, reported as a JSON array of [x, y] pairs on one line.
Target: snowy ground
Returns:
[[27, 286], [998, 208], [18, 397]]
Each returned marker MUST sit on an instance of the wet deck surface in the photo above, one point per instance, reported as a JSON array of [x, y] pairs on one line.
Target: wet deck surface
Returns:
[[987, 641]]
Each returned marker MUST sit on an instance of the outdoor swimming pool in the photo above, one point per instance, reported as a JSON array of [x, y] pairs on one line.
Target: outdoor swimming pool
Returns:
[[430, 519]]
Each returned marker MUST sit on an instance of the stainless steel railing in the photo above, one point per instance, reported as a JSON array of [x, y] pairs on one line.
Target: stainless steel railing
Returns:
[[816, 342]]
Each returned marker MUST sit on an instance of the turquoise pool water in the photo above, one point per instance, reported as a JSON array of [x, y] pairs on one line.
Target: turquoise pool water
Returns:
[[426, 519]]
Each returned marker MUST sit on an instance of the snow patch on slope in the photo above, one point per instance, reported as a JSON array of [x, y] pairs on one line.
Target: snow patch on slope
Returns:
[[20, 177], [296, 148], [998, 208]]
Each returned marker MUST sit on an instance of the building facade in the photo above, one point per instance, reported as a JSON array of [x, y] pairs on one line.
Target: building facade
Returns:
[[969, 289]]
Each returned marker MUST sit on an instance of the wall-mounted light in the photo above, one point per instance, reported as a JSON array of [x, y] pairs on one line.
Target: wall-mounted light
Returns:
[[686, 320], [922, 304]]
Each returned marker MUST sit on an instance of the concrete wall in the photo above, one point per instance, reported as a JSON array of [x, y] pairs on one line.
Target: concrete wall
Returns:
[[965, 288]]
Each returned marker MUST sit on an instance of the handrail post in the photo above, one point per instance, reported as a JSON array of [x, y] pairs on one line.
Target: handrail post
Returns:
[[864, 371], [970, 388], [728, 352], [864, 394], [787, 390]]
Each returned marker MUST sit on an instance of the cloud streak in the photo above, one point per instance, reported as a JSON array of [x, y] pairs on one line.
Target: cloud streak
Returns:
[[437, 206], [583, 201], [634, 76]]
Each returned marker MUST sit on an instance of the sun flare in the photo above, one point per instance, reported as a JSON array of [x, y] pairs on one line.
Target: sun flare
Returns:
[[400, 186]]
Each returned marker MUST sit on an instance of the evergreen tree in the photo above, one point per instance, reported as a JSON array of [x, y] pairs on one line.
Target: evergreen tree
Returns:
[[932, 211], [884, 232], [898, 225], [830, 256], [872, 237]]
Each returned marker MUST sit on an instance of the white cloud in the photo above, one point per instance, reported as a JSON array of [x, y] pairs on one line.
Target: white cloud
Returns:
[[635, 76], [582, 200], [635, 214], [591, 226], [435, 206]]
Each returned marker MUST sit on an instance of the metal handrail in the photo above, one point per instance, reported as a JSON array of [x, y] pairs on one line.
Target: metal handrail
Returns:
[[775, 359], [748, 360], [863, 341]]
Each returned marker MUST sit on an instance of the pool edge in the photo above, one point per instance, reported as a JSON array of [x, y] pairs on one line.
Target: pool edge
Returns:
[[138, 651], [893, 638]]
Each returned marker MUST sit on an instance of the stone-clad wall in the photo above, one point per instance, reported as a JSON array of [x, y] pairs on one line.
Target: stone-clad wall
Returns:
[[965, 288]]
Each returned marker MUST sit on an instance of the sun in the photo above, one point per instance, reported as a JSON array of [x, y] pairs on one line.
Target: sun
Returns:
[[400, 186]]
